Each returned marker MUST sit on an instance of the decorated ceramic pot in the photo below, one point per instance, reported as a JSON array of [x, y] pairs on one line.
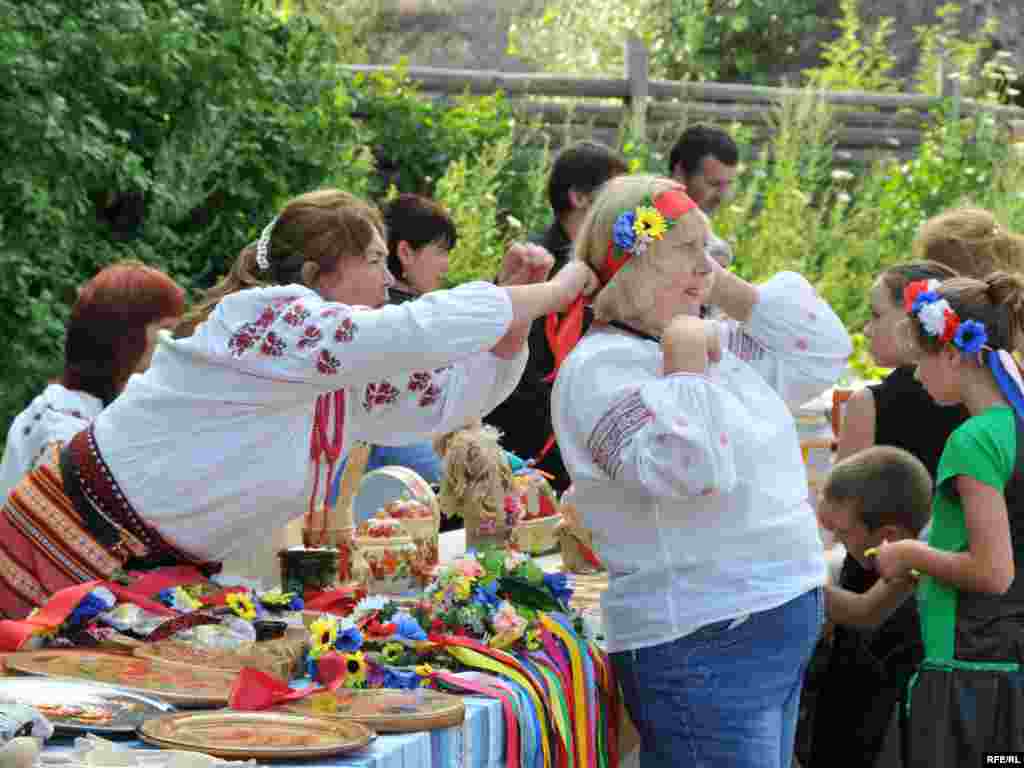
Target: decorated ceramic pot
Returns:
[[403, 494], [394, 566]]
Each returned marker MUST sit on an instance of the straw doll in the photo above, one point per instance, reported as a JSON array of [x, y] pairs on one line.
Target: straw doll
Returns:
[[477, 484]]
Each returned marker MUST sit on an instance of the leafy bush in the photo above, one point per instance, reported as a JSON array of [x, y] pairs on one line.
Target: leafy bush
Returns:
[[858, 59], [162, 130]]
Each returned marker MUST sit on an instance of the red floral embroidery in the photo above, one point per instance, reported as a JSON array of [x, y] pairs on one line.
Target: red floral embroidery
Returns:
[[330, 312], [724, 439], [310, 337], [430, 396], [616, 429], [419, 381], [801, 344], [244, 338], [346, 331], [327, 363], [266, 318], [273, 345], [381, 393], [296, 315]]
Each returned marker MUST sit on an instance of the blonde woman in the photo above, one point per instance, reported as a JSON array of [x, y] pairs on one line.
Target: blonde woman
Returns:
[[687, 468]]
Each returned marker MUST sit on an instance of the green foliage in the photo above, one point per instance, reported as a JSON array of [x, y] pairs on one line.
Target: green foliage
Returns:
[[858, 59], [963, 53], [162, 130], [699, 39]]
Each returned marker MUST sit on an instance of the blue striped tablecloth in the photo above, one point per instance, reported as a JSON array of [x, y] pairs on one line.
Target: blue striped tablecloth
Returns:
[[478, 743]]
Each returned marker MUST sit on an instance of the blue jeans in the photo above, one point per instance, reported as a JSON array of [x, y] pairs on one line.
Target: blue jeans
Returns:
[[723, 697]]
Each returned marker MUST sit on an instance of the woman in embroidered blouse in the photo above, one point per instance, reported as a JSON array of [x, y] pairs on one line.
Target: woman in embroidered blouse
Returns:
[[110, 335], [213, 444], [687, 468]]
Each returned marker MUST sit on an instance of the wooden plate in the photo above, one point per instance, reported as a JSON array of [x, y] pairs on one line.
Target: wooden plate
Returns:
[[255, 735], [182, 685], [390, 711], [278, 657]]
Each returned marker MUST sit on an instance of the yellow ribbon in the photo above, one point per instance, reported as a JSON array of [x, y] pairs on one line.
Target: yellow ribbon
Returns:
[[578, 683]]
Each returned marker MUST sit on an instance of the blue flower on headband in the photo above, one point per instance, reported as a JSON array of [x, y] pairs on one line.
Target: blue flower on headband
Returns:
[[924, 298], [970, 337], [623, 233]]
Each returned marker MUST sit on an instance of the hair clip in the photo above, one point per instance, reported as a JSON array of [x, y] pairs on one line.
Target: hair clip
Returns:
[[263, 246]]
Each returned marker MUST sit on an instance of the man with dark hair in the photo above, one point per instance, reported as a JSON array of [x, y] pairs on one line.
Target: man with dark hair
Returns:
[[706, 159], [524, 418]]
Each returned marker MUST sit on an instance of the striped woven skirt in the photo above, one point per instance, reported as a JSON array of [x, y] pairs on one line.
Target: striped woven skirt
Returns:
[[68, 522]]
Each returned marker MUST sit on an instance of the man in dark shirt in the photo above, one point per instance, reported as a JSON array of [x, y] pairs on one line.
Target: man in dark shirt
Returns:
[[524, 418]]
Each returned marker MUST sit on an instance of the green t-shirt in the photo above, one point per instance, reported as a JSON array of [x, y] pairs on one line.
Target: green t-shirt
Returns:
[[985, 448]]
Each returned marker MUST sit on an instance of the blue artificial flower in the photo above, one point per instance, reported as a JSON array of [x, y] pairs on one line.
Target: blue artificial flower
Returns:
[[623, 234], [297, 604], [400, 679], [90, 607], [310, 667], [407, 628], [166, 596], [487, 594], [924, 298], [349, 640], [970, 337], [558, 584]]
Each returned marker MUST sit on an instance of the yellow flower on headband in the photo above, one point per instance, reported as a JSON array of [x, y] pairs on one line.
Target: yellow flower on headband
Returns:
[[649, 223], [242, 605]]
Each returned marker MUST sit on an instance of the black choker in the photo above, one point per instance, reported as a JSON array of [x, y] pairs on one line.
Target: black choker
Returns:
[[634, 331]]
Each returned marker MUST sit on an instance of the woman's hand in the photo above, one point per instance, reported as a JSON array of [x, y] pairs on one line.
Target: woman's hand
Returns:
[[573, 280], [525, 264], [689, 343]]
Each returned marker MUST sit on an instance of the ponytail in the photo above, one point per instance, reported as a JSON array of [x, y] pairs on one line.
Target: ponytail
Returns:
[[243, 275]]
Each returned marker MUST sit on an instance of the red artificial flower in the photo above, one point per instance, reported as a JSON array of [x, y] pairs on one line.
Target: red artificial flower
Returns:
[[911, 292], [950, 329], [378, 631]]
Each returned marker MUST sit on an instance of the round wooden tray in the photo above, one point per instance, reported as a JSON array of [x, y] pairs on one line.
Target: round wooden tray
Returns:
[[183, 685], [256, 735], [176, 653], [390, 711]]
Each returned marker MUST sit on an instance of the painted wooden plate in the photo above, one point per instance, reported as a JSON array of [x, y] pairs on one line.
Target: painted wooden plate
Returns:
[[182, 685], [387, 710], [256, 735]]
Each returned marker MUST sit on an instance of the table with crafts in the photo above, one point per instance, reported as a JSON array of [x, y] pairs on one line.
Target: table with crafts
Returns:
[[378, 644]]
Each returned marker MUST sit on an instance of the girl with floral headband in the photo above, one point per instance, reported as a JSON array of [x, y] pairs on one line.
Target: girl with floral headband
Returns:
[[969, 691], [240, 422], [686, 467]]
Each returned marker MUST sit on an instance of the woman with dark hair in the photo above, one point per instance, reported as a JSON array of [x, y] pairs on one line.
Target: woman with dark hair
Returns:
[[231, 428], [110, 336]]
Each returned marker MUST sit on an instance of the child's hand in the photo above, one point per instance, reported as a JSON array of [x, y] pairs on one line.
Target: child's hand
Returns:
[[891, 562]]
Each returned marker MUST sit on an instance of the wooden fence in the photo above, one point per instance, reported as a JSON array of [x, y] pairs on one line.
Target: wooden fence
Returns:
[[864, 123]]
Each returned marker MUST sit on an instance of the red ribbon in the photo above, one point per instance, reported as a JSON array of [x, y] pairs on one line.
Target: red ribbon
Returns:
[[254, 690]]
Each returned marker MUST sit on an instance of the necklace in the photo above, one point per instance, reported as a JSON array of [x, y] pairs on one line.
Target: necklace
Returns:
[[635, 331]]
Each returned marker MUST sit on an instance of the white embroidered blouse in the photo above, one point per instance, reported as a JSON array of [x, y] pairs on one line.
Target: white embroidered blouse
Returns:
[[212, 444], [54, 416], [694, 485]]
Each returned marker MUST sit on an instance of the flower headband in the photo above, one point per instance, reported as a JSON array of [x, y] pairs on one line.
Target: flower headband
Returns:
[[922, 300], [635, 230], [632, 235]]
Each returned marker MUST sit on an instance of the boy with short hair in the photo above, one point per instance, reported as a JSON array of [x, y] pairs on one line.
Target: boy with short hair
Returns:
[[880, 494]]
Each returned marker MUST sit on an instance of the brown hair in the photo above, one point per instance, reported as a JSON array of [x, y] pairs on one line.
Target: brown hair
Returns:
[[313, 234], [887, 485], [106, 334], [971, 242], [997, 302], [897, 277]]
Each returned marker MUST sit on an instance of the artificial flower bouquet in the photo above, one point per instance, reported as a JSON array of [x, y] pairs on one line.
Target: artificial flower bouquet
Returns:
[[495, 599]]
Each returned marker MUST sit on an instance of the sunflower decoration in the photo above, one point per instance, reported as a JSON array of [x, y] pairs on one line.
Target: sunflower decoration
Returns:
[[426, 672], [649, 223], [242, 605], [323, 633], [355, 670]]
